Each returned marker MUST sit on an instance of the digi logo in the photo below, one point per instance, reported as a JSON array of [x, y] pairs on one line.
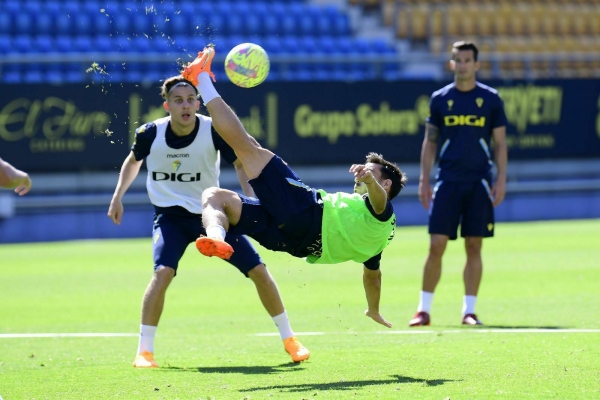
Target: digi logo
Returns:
[[469, 120]]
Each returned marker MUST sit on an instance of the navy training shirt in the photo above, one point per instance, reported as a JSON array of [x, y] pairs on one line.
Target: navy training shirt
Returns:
[[466, 121]]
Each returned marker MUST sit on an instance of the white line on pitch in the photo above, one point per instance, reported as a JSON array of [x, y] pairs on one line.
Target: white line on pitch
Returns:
[[54, 335], [420, 332]]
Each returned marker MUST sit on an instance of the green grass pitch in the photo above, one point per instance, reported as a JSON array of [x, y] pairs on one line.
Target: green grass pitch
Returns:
[[540, 300]]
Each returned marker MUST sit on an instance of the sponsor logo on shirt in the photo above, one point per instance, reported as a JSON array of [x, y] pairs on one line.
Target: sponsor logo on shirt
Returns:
[[178, 156], [469, 120], [175, 177]]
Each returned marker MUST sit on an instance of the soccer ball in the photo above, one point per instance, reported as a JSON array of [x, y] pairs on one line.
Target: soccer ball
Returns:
[[247, 65]]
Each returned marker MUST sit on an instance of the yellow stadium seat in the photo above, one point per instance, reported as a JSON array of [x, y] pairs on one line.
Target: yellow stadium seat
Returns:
[[402, 22], [484, 19], [418, 22], [453, 20]]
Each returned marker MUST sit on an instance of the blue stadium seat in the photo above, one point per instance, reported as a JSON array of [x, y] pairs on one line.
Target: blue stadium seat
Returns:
[[160, 25], [341, 25], [43, 23], [12, 77], [43, 44], [323, 25], [6, 23], [131, 76], [21, 44], [102, 24], [289, 25], [233, 24], [34, 77], [54, 77], [122, 24], [160, 45], [82, 44], [63, 44], [83, 24], [23, 23], [180, 43], [142, 23], [271, 44], [290, 45], [307, 25], [121, 44], [74, 73], [63, 24], [102, 44], [5, 44], [271, 25], [141, 44]]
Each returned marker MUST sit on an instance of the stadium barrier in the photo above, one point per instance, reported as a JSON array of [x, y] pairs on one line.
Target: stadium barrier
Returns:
[[76, 128]]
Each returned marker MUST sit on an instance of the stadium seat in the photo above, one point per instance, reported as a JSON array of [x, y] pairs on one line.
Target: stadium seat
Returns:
[[102, 44], [21, 44], [43, 44], [63, 44], [23, 23], [63, 24], [82, 44], [54, 77], [5, 44], [271, 25], [11, 77], [43, 23], [83, 24]]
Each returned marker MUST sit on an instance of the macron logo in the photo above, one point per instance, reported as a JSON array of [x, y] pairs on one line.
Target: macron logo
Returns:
[[178, 156]]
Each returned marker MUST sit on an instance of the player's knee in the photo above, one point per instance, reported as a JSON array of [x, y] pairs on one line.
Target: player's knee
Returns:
[[437, 246], [163, 276], [260, 275], [473, 246], [216, 197]]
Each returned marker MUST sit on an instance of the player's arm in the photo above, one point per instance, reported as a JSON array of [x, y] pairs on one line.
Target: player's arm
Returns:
[[376, 193], [12, 178], [372, 284], [243, 178], [428, 150], [129, 171], [501, 157]]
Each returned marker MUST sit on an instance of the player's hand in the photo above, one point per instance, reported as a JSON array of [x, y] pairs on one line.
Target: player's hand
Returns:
[[362, 173], [24, 187], [375, 316], [115, 211], [498, 192], [425, 194]]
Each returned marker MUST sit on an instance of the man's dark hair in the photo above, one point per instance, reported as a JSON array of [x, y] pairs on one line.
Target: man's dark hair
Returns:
[[462, 45], [389, 171], [173, 81]]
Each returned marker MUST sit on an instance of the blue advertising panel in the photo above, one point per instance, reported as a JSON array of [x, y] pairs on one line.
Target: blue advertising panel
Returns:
[[90, 127]]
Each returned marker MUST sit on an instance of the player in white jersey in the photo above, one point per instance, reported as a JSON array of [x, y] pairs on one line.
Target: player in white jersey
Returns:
[[182, 153]]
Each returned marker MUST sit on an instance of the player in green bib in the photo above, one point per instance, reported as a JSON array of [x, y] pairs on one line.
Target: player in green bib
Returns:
[[287, 215]]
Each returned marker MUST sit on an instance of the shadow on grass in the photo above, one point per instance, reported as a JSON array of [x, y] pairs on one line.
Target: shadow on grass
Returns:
[[350, 385], [246, 370]]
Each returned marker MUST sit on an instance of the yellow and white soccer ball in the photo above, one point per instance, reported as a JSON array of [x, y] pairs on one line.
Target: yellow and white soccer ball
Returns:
[[247, 65]]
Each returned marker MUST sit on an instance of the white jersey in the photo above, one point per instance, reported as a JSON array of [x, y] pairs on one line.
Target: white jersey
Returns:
[[177, 177]]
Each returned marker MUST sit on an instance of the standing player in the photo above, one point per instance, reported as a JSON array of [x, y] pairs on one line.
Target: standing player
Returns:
[[289, 216], [12, 178], [182, 153], [464, 116]]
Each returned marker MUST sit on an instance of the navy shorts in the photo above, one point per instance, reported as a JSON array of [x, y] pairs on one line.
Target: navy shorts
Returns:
[[287, 214], [466, 203], [172, 233]]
